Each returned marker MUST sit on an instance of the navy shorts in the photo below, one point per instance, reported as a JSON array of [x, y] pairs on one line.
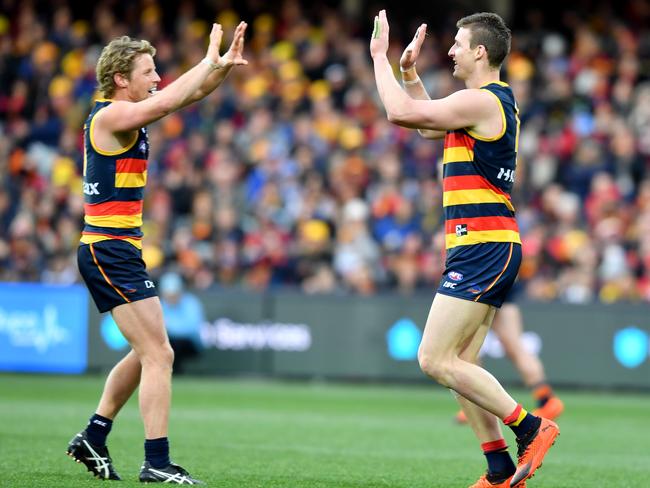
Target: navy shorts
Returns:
[[517, 290], [481, 273], [114, 273]]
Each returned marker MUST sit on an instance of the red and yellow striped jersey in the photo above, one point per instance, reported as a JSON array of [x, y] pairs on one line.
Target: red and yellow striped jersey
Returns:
[[478, 175], [113, 185]]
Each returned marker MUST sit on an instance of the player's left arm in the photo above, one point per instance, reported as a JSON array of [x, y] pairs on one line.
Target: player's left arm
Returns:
[[463, 109], [467, 108], [233, 57]]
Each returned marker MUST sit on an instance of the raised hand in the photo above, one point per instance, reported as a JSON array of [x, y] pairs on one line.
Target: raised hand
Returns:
[[215, 41], [412, 51], [379, 39], [235, 53]]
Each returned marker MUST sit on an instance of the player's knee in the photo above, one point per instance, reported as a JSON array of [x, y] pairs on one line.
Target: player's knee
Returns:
[[160, 357], [435, 367], [167, 355]]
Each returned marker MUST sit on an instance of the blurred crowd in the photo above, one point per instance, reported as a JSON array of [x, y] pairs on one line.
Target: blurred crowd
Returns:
[[289, 173]]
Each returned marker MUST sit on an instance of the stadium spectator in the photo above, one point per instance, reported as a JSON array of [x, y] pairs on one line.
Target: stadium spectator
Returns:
[[183, 314], [308, 114]]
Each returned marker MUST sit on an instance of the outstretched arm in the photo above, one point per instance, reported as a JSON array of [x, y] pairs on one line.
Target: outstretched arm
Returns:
[[124, 116], [233, 57], [463, 109], [412, 83]]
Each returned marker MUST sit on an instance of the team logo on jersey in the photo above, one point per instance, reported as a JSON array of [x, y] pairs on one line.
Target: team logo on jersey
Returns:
[[461, 230], [142, 147], [455, 276]]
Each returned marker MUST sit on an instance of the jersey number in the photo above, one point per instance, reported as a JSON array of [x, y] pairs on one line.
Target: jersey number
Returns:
[[506, 174]]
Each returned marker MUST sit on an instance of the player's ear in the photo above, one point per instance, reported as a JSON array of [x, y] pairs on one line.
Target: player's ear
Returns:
[[120, 80], [481, 51]]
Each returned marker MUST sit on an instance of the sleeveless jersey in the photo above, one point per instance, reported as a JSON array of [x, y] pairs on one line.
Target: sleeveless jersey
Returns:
[[113, 186], [478, 174]]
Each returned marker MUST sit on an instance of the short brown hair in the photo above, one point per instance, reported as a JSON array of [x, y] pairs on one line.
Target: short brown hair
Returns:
[[488, 29], [118, 56]]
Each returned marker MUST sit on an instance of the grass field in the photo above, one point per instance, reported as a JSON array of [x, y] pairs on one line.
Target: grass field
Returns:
[[240, 434]]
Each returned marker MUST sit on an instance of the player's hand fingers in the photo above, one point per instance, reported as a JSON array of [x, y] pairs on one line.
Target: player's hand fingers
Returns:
[[415, 37], [420, 35], [239, 35], [383, 21], [239, 44], [215, 34]]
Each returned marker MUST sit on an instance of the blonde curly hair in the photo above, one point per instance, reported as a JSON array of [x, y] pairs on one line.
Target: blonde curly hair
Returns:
[[118, 56]]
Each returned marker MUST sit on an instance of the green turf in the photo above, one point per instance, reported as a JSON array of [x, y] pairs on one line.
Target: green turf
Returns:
[[244, 434]]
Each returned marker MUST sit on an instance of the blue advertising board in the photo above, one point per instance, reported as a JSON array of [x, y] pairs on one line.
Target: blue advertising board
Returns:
[[43, 328]]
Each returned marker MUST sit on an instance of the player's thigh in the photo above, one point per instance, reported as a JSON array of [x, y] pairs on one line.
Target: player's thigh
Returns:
[[451, 323], [142, 324]]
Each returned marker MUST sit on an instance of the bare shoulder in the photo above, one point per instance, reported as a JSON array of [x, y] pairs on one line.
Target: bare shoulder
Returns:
[[126, 116], [482, 109], [108, 131], [474, 100], [114, 110]]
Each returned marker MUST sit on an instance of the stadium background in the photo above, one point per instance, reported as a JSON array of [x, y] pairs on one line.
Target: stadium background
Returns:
[[290, 176], [309, 227], [289, 179]]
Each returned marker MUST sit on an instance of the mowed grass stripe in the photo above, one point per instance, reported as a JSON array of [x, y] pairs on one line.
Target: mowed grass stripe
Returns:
[[235, 433]]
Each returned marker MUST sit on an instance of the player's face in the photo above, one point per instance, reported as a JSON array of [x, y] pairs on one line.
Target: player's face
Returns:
[[144, 78], [462, 54]]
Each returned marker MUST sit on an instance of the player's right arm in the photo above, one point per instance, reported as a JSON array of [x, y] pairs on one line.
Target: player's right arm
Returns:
[[470, 108], [412, 83], [125, 116]]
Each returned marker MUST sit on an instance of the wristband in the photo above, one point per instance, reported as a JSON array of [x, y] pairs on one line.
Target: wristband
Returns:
[[412, 82], [404, 70], [212, 65]]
